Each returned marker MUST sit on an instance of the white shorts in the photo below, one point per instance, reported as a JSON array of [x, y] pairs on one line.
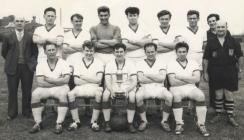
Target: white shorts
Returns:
[[185, 90], [197, 57], [55, 92], [87, 90], [105, 58], [153, 91]]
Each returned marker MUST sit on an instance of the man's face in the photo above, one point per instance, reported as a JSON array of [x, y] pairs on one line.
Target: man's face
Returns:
[[221, 29], [104, 17], [89, 53], [212, 22], [151, 53], [193, 20], [77, 23], [132, 18], [164, 20], [50, 17], [19, 23], [51, 51], [119, 54], [181, 53]]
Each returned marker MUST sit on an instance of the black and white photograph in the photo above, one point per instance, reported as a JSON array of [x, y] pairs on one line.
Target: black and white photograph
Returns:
[[121, 69]]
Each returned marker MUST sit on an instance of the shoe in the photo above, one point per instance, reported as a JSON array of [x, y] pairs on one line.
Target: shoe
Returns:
[[36, 128], [74, 126], [95, 127], [143, 126], [165, 126], [179, 129], [131, 128], [202, 129], [216, 118], [233, 122], [58, 128], [107, 127]]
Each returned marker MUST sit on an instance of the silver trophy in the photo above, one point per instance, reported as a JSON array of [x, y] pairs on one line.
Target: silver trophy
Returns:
[[119, 91]]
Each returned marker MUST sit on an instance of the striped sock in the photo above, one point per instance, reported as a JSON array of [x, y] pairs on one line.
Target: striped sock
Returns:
[[219, 105], [229, 106]]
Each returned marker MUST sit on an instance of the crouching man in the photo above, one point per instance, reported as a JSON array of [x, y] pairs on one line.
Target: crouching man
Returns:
[[183, 74], [151, 75], [88, 72], [52, 81]]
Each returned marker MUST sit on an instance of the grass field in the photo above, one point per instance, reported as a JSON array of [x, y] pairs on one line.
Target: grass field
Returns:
[[17, 129]]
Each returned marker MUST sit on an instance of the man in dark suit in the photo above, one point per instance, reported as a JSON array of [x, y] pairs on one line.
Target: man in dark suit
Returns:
[[20, 54]]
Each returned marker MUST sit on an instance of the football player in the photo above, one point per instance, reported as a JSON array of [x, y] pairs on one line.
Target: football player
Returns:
[[88, 73], [151, 75], [183, 75], [52, 81], [125, 84]]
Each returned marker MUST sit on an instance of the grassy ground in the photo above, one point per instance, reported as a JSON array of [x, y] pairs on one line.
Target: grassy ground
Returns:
[[17, 129]]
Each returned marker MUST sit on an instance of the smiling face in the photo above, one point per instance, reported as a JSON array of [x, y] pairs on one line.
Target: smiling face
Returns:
[[88, 53], [77, 23], [221, 28], [119, 54], [192, 20], [212, 22], [104, 17], [51, 51], [164, 20], [50, 17], [181, 53], [133, 18], [150, 53], [19, 23]]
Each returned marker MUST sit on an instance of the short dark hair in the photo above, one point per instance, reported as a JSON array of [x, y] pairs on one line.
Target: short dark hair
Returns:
[[103, 9], [149, 45], [132, 10], [193, 12], [79, 16], [164, 12], [88, 44], [119, 45], [213, 15], [48, 43], [49, 9], [181, 45]]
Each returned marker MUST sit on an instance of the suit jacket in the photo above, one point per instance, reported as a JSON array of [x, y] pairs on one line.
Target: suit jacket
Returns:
[[10, 52]]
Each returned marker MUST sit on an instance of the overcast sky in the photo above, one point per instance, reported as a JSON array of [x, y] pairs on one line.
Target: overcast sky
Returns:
[[230, 10]]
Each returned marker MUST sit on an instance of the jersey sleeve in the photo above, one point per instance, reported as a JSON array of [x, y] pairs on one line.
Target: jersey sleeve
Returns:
[[133, 69], [170, 68], [195, 66], [60, 32], [108, 68], [139, 66], [100, 67], [39, 70], [77, 69], [66, 69]]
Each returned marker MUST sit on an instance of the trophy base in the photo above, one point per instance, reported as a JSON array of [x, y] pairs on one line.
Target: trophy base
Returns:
[[119, 94]]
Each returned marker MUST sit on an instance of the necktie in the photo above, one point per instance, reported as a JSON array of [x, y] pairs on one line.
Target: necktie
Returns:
[[19, 36]]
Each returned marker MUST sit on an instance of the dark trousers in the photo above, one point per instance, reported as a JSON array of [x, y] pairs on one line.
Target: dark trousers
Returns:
[[211, 96], [24, 75]]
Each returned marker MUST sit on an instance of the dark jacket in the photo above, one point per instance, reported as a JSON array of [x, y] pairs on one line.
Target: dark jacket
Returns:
[[10, 52]]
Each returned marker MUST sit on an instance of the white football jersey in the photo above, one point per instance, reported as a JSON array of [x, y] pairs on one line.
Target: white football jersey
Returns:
[[128, 33], [91, 69], [54, 32], [174, 67], [61, 69]]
